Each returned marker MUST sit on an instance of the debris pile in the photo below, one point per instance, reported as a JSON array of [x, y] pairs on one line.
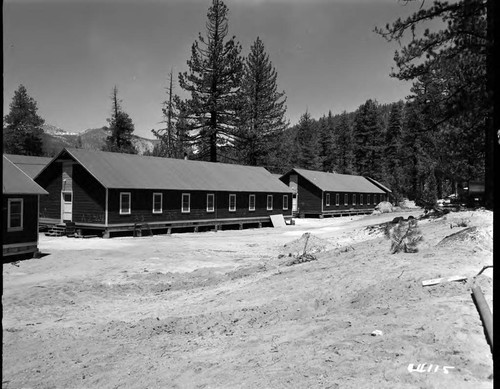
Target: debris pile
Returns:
[[404, 235], [384, 207], [472, 236], [303, 249]]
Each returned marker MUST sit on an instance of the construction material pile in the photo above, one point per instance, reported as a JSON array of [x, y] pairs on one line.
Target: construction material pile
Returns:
[[303, 249]]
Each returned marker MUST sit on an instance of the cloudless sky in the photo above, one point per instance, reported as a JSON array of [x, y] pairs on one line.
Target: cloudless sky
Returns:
[[70, 53]]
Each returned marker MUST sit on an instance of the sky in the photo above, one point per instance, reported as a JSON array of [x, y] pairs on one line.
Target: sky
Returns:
[[69, 54]]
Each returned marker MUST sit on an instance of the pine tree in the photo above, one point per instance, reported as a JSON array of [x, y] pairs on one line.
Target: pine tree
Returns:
[[22, 132], [345, 160], [308, 142], [458, 62], [328, 142], [120, 127], [262, 109], [368, 141], [392, 152], [213, 82]]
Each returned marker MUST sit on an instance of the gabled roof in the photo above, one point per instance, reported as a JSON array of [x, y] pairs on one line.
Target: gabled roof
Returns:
[[334, 182], [128, 171], [15, 181], [381, 186], [28, 164]]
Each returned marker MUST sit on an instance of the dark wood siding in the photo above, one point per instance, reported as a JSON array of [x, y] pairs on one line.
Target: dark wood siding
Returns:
[[309, 197], [51, 180], [29, 233], [89, 197], [142, 206], [341, 205]]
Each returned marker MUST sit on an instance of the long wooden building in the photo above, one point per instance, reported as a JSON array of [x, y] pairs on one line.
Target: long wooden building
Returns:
[[114, 192], [321, 194], [20, 212]]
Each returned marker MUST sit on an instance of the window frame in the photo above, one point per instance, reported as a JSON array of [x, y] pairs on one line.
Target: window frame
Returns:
[[327, 200], [367, 199], [250, 197], [156, 211], [285, 202], [129, 195], [212, 196], [360, 199], [188, 209], [354, 199], [337, 199], [269, 196], [232, 209], [11, 228], [346, 199]]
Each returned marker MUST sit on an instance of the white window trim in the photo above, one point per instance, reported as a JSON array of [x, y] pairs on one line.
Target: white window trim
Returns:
[[337, 199], [346, 199], [9, 227], [353, 199], [129, 203], [327, 199], [360, 199], [232, 209], [161, 202], [188, 210], [213, 202], [368, 199], [267, 203], [250, 208], [285, 202]]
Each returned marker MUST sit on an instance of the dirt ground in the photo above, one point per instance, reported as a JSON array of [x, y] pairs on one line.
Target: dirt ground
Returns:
[[226, 310]]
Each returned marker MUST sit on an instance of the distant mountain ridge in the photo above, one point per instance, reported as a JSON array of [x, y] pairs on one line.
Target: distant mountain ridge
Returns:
[[55, 139]]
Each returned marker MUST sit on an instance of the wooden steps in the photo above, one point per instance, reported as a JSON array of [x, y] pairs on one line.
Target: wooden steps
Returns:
[[67, 229]]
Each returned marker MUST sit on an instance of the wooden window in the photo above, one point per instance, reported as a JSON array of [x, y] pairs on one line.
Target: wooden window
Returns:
[[210, 202], [337, 199], [232, 202], [186, 203], [346, 199], [374, 199], [15, 215], [360, 199], [269, 202], [328, 199], [251, 202], [125, 207], [157, 202], [285, 202], [353, 199], [367, 199]]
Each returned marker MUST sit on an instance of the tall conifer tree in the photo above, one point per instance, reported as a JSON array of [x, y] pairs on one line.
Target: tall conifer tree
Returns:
[[262, 110], [22, 132], [213, 83], [308, 141], [120, 127]]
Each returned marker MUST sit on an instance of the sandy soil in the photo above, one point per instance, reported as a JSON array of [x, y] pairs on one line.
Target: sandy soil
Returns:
[[223, 309]]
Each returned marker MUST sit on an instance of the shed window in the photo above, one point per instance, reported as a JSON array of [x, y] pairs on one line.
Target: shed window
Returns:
[[186, 203], [269, 202], [367, 199], [210, 202], [285, 202], [337, 199], [346, 199], [251, 202], [353, 199], [360, 199], [124, 203], [15, 215], [232, 202], [157, 202], [328, 199]]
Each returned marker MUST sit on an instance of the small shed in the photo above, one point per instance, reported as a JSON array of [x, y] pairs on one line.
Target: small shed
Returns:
[[317, 193], [114, 192], [21, 196]]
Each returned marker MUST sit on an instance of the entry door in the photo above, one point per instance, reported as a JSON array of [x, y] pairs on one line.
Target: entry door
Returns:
[[67, 206], [294, 203]]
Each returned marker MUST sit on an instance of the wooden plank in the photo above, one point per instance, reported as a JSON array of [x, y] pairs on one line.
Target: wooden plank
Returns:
[[436, 281], [278, 220]]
